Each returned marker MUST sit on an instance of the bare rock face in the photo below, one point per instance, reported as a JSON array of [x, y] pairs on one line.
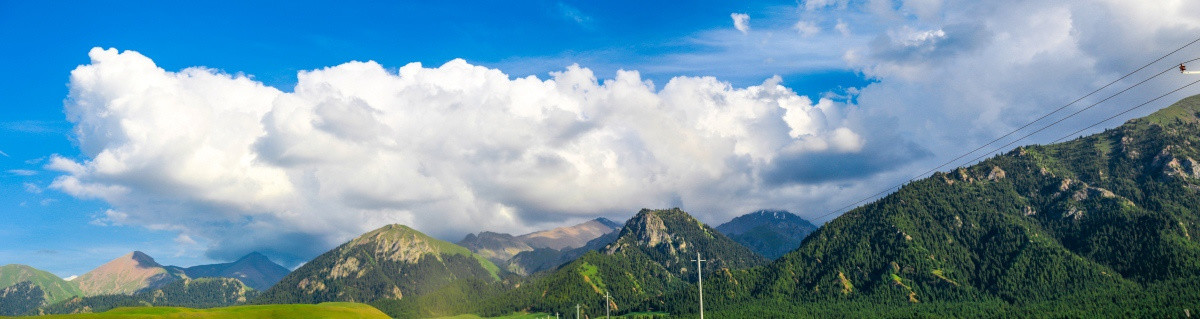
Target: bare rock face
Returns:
[[126, 275], [996, 174]]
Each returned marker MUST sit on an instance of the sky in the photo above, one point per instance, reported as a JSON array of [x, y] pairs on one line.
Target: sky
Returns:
[[199, 132]]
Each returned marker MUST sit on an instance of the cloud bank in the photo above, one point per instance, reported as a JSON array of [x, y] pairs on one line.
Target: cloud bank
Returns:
[[239, 166]]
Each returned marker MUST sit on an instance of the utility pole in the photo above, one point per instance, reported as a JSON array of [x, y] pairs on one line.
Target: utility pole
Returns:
[[576, 311], [606, 303], [700, 280]]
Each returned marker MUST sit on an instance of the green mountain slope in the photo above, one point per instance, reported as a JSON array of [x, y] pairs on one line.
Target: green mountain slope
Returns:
[[392, 262], [647, 268], [541, 259], [323, 310], [20, 298], [671, 238], [1108, 215], [193, 293], [54, 289]]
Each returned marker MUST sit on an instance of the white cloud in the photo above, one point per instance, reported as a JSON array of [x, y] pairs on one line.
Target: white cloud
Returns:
[[741, 22], [573, 14], [5, 154], [32, 188], [806, 28], [244, 167], [842, 28], [22, 172], [946, 76]]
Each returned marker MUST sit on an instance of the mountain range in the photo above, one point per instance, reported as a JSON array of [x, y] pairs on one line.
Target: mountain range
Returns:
[[254, 270], [1096, 226], [539, 250], [1044, 229], [1100, 225], [135, 279]]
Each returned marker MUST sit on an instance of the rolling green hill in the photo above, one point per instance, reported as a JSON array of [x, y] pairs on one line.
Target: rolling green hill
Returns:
[[55, 288]]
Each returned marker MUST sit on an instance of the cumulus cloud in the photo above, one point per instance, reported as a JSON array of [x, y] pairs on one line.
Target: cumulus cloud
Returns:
[[741, 22], [975, 71], [946, 76], [239, 166]]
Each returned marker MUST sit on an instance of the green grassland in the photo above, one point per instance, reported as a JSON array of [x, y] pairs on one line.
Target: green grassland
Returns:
[[542, 315], [324, 310]]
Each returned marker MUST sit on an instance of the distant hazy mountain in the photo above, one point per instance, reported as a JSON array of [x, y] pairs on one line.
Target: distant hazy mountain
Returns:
[[539, 259], [391, 262], [496, 247], [540, 250], [770, 233], [127, 274], [254, 270], [570, 236], [53, 288]]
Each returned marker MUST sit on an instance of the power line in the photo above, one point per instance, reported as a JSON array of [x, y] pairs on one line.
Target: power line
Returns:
[[981, 156], [1035, 121], [1127, 111]]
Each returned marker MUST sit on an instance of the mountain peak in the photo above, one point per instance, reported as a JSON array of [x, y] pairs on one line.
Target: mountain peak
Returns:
[[142, 259], [127, 274], [672, 236], [608, 222], [391, 262], [770, 233], [254, 270], [569, 237], [254, 256]]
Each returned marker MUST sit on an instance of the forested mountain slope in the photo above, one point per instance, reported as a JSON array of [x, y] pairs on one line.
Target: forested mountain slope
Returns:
[[392, 262], [1112, 214]]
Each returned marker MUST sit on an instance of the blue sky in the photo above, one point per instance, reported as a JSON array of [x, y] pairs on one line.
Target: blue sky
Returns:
[[899, 76]]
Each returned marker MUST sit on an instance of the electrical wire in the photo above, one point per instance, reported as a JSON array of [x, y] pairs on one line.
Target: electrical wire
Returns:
[[1041, 118]]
